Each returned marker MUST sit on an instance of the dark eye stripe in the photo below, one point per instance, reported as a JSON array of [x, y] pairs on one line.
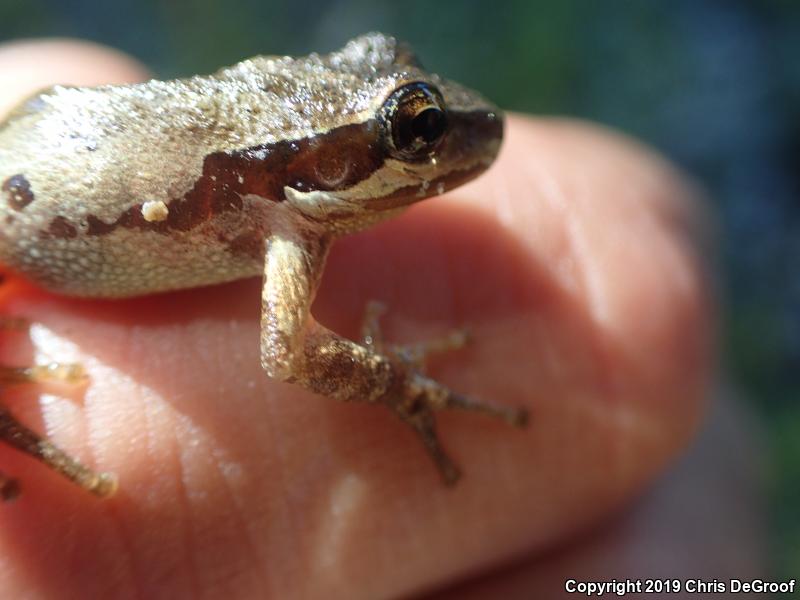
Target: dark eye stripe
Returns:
[[332, 161]]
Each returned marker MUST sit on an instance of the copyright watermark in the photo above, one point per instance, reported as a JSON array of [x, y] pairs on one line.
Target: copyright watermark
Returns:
[[621, 587]]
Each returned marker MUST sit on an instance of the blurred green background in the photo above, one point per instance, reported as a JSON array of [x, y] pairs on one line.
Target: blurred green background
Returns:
[[714, 84]]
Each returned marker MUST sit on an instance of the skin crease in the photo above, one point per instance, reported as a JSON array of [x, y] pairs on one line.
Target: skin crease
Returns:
[[233, 484]]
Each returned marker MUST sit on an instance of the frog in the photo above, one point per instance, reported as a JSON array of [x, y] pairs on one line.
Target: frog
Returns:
[[120, 191]]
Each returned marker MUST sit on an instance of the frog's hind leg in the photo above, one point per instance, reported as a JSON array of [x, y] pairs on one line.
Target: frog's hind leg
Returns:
[[17, 435]]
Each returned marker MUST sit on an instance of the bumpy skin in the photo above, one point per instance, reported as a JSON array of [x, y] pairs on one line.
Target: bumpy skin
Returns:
[[126, 190]]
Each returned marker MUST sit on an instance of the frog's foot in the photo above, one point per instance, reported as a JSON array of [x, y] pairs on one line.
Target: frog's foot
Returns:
[[15, 434], [415, 397]]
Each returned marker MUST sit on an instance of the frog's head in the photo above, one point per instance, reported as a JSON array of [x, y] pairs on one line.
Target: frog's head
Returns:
[[402, 134]]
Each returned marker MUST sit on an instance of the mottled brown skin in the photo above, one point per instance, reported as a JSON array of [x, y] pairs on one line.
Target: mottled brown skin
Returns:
[[255, 169]]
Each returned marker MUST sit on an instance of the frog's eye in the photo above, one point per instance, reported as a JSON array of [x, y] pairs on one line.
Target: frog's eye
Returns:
[[415, 120]]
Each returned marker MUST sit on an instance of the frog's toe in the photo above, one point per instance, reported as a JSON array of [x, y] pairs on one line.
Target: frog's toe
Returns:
[[371, 334], [417, 354], [18, 436], [69, 373], [414, 355]]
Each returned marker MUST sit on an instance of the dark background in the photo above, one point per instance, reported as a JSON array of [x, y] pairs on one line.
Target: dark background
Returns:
[[714, 84]]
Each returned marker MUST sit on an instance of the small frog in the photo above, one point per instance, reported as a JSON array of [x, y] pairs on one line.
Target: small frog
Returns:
[[118, 191]]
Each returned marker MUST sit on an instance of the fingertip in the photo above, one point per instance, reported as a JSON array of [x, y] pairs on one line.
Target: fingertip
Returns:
[[626, 235], [27, 66], [618, 300]]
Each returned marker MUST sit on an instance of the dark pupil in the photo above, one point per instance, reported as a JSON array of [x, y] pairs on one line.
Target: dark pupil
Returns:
[[429, 124], [415, 120]]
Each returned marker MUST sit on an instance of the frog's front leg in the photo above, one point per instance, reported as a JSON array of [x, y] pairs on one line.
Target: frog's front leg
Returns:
[[294, 347]]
